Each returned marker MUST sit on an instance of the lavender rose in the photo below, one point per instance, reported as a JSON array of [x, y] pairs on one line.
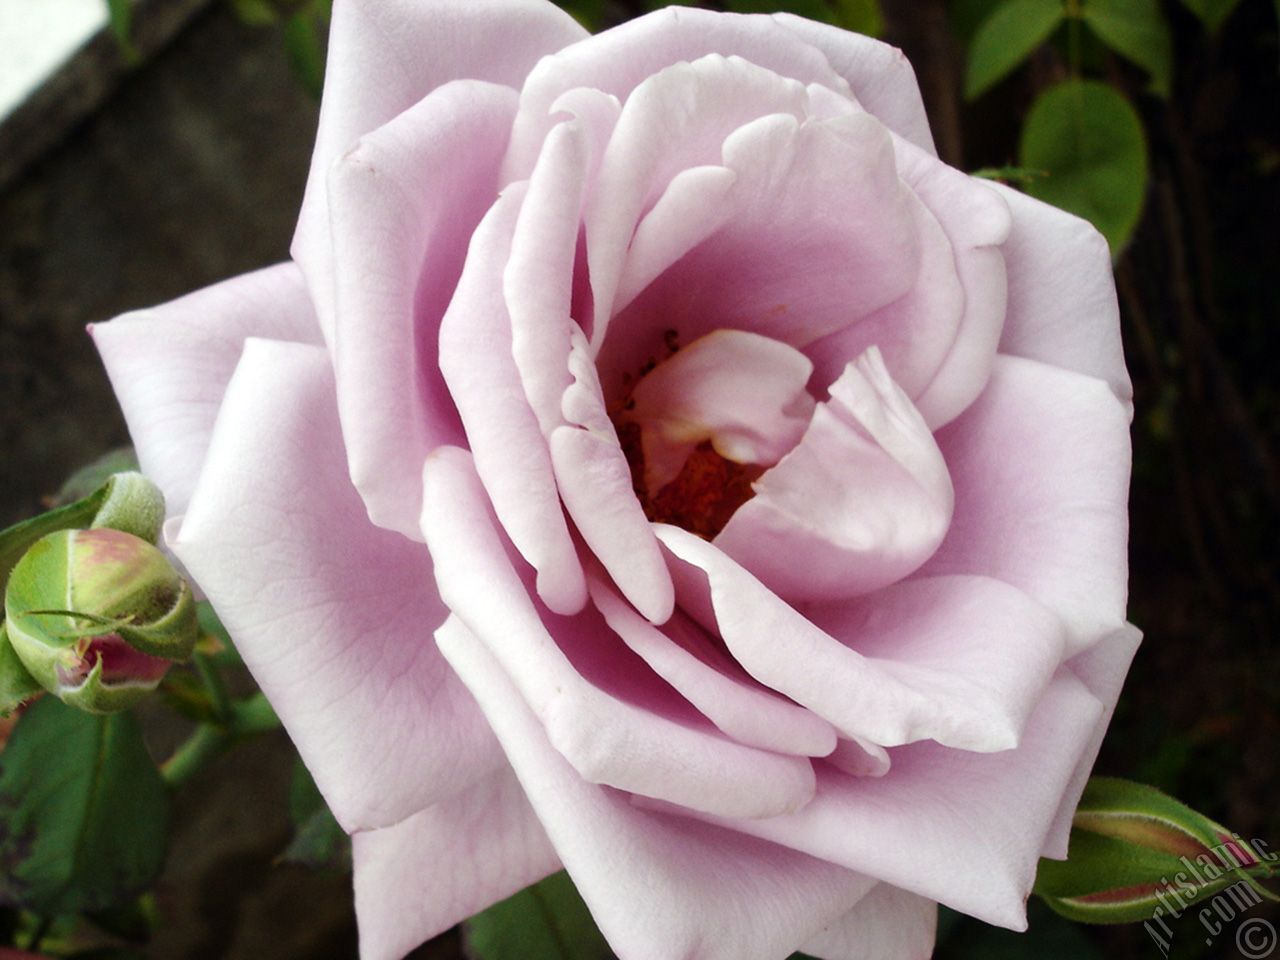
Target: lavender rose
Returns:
[[656, 462]]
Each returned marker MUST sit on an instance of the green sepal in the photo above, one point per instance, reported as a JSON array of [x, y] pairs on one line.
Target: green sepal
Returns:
[[127, 501], [16, 682], [1134, 850]]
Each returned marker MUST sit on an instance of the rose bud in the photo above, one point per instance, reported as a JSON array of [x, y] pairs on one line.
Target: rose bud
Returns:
[[1139, 855], [98, 616]]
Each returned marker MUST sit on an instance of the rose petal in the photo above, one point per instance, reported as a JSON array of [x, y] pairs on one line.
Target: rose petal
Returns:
[[691, 209], [603, 709], [939, 340], [807, 249], [743, 392], [675, 120], [595, 483], [915, 331], [1062, 299], [511, 455], [887, 924], [860, 503], [169, 365], [439, 867], [537, 281], [333, 615], [655, 884], [859, 758], [939, 663], [401, 209], [688, 659], [978, 820], [594, 479], [622, 58], [879, 75], [1102, 668], [1053, 519], [386, 55]]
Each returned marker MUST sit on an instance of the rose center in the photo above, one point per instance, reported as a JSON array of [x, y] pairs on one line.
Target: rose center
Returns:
[[702, 426]]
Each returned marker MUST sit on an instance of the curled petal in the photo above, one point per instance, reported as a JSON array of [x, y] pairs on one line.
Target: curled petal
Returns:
[[1062, 298], [879, 76], [938, 662], [1102, 669], [619, 60], [684, 655], [860, 503], [982, 817]]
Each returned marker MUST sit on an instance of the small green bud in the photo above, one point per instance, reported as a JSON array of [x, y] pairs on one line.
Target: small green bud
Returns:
[[98, 616], [133, 504], [1137, 854]]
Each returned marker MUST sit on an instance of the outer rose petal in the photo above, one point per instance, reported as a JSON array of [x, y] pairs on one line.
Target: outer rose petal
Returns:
[[961, 828], [1040, 465], [887, 924], [385, 56], [1102, 668], [659, 887], [442, 865], [1062, 299], [333, 615], [169, 365], [879, 75], [402, 210]]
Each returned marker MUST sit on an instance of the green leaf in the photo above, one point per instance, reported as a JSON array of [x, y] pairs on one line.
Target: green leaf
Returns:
[[1213, 12], [1089, 141], [1137, 30], [547, 921], [1006, 38], [83, 811], [255, 13], [305, 51], [120, 17], [860, 16], [318, 840]]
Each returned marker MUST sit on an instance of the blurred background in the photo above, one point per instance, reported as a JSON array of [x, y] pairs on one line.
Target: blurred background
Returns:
[[171, 153]]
